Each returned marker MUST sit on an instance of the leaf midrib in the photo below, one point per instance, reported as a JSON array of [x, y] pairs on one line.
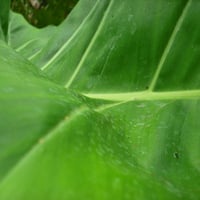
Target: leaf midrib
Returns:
[[145, 95]]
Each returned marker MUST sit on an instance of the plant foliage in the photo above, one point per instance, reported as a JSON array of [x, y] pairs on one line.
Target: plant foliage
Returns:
[[104, 106], [40, 13]]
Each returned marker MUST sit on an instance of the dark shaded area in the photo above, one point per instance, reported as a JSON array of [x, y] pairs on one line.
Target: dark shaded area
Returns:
[[41, 13]]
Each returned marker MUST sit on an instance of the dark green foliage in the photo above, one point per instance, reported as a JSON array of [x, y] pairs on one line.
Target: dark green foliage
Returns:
[[41, 13], [4, 13]]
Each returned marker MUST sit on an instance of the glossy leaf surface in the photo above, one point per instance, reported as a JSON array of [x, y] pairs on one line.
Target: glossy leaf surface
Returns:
[[104, 106]]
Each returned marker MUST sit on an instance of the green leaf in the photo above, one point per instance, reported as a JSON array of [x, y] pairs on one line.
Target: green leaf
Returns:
[[31, 105], [104, 106], [29, 45]]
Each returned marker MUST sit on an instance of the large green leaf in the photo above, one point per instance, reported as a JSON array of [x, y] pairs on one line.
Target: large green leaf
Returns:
[[104, 106]]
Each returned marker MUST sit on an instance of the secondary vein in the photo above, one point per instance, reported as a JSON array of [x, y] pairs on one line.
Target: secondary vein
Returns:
[[70, 39], [89, 46], [169, 45]]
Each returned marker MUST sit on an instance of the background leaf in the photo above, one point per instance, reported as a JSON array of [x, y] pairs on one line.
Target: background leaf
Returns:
[[4, 15]]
